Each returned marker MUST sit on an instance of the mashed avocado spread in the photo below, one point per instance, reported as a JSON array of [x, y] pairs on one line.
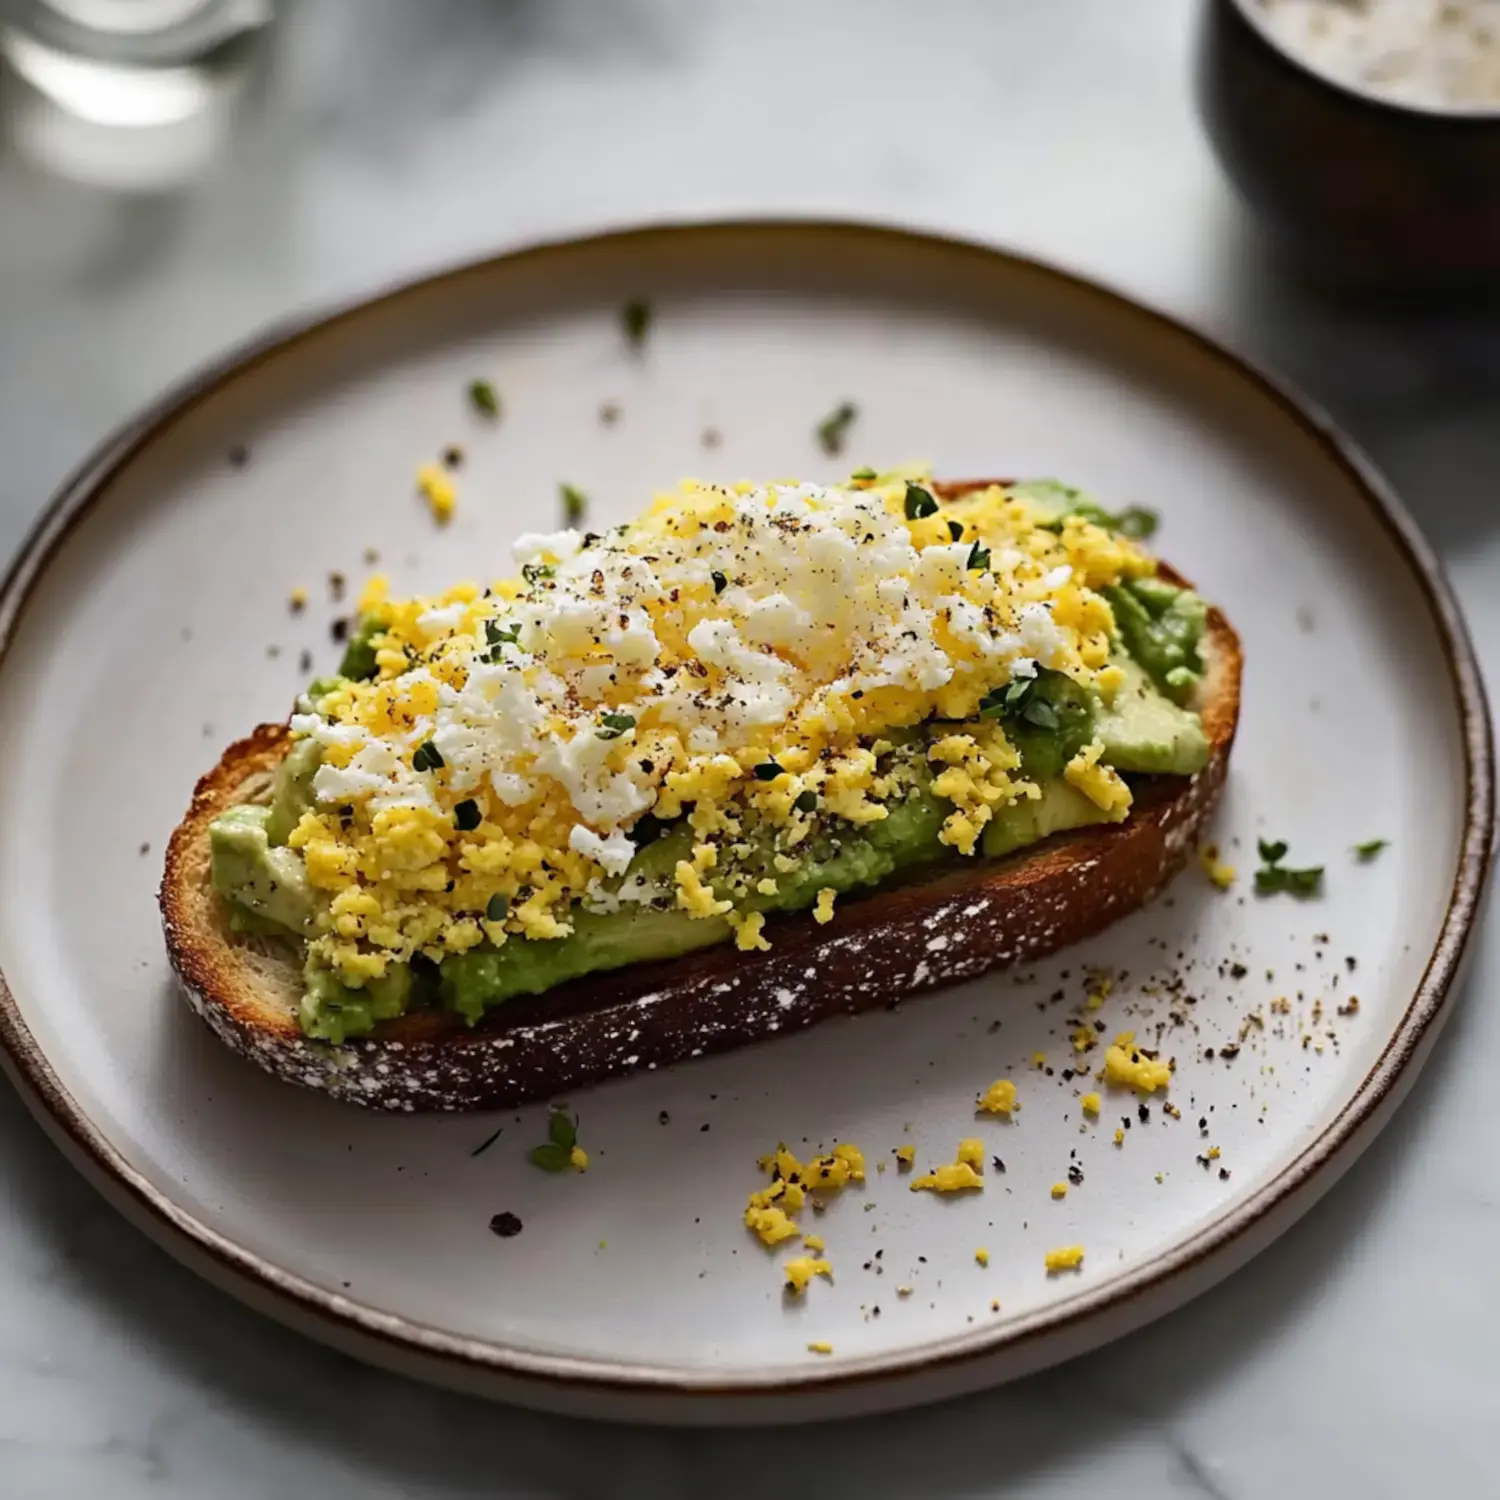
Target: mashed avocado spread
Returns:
[[1065, 739]]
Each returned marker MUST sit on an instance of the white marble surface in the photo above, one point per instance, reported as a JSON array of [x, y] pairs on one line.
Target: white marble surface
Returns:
[[1354, 1358]]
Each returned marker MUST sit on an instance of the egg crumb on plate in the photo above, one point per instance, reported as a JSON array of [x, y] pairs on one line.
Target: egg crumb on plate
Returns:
[[769, 1210], [905, 1156], [1090, 1104], [801, 1270], [1068, 1258], [962, 1173], [1127, 1066], [439, 491], [982, 1256], [297, 599], [999, 1098], [1219, 874], [820, 1346], [1059, 1190]]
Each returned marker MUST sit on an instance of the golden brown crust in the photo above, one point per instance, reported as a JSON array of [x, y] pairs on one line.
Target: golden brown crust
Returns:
[[876, 950]]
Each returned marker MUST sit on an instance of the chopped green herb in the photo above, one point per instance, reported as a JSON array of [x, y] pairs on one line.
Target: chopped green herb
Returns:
[[720, 582], [575, 504], [1370, 848], [1038, 712], [636, 316], [466, 816], [535, 572], [556, 1155], [866, 474], [834, 428], [615, 725], [956, 530], [496, 908], [501, 635], [767, 770], [1137, 522], [483, 398], [427, 758], [806, 801], [1270, 879], [1273, 877], [979, 558], [919, 503]]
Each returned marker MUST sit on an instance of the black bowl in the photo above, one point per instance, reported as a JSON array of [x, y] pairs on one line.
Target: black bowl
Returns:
[[1362, 192]]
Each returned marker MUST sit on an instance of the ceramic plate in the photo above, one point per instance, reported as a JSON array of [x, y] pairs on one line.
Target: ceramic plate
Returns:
[[148, 625]]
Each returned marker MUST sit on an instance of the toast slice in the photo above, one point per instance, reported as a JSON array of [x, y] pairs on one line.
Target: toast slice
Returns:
[[878, 949]]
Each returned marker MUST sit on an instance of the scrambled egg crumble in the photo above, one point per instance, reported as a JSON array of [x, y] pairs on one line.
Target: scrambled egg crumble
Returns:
[[801, 1270], [1059, 1190], [769, 1210], [1126, 1066], [982, 1256], [732, 655], [1068, 1258], [1219, 874], [962, 1173], [439, 491], [1090, 1104], [999, 1098], [820, 1346]]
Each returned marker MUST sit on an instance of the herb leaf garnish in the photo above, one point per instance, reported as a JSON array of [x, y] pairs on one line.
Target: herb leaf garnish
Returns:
[[615, 725], [556, 1155], [1273, 877], [1370, 848], [834, 428], [575, 504], [919, 503], [427, 758], [635, 316], [484, 399]]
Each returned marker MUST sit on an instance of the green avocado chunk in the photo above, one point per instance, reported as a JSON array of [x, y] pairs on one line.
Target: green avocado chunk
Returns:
[[1146, 733], [267, 882], [1161, 626]]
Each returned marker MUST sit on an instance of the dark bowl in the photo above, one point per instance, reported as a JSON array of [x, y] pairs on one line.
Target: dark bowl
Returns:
[[1362, 192]]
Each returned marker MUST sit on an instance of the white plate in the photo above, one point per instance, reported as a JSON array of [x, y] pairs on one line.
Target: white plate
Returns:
[[138, 635]]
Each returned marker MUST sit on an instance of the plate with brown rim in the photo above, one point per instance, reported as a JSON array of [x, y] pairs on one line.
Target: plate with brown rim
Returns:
[[147, 623]]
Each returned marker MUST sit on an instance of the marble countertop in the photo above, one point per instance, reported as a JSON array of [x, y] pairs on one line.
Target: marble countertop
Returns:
[[1356, 1357]]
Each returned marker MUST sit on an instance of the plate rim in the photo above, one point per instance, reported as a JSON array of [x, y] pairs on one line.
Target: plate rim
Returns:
[[468, 1362]]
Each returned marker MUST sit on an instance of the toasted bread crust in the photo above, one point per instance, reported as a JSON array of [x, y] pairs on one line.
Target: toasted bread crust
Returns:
[[877, 949]]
